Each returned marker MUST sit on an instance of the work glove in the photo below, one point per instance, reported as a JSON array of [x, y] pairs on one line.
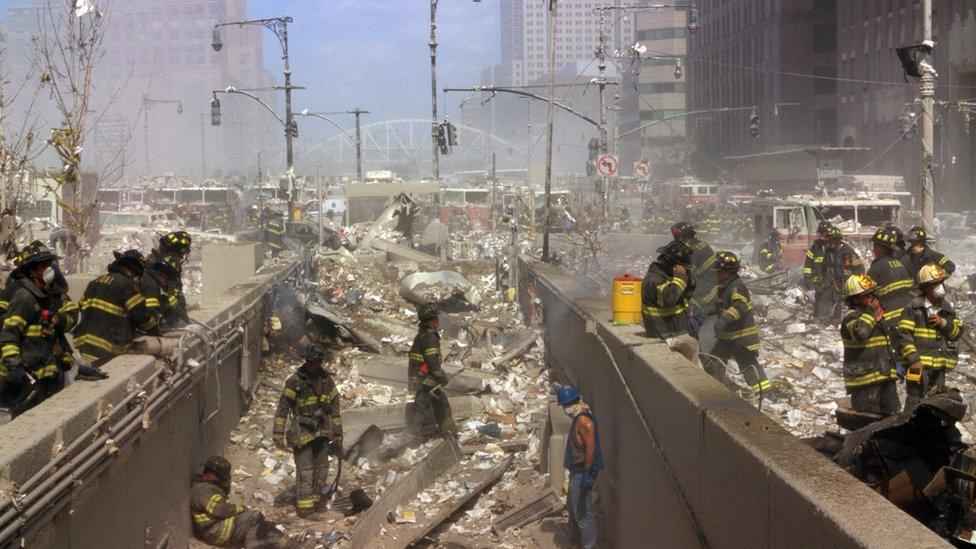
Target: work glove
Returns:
[[335, 447], [87, 372], [588, 480], [15, 370]]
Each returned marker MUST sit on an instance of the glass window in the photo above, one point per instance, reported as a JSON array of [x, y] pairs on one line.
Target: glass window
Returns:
[[191, 196], [874, 216]]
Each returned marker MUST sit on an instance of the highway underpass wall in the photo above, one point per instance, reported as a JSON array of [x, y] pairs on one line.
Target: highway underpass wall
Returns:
[[140, 499], [747, 481]]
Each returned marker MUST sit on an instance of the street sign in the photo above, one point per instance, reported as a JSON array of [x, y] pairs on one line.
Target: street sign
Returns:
[[642, 170], [607, 165]]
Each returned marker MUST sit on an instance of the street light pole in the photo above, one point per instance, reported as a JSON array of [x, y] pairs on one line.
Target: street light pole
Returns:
[[434, 125], [359, 144], [147, 102], [549, 113], [927, 93], [279, 26]]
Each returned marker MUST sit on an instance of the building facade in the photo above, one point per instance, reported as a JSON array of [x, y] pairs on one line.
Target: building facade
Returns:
[[877, 105], [778, 56], [652, 90]]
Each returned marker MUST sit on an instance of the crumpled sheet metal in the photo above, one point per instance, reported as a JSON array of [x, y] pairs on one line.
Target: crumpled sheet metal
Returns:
[[437, 287]]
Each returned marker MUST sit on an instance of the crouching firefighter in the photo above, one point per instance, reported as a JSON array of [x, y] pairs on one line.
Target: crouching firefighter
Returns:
[[929, 328], [221, 523], [430, 415], [735, 330], [311, 398], [869, 365]]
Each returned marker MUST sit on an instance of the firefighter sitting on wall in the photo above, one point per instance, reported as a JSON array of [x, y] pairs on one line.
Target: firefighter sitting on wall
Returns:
[[430, 413], [311, 399], [770, 253], [869, 365], [930, 329], [114, 310], [220, 523], [735, 329]]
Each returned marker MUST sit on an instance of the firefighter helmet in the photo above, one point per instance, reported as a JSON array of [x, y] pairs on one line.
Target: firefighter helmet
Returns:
[[682, 230], [34, 253], [167, 264], [885, 237], [834, 233], [427, 312], [676, 252], [567, 394], [313, 352], [823, 227], [858, 284], [899, 237], [726, 261], [131, 259], [931, 273], [177, 241], [219, 466], [918, 234]]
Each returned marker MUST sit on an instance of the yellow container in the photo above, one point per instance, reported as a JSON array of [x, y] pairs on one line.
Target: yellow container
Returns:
[[627, 299]]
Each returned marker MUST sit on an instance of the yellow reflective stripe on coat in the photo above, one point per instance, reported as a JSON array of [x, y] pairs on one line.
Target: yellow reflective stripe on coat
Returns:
[[201, 518], [134, 301], [226, 528], [737, 334], [10, 349], [908, 350], [867, 379], [46, 372], [872, 342], [665, 311], [95, 341], [894, 286], [938, 362], [763, 385], [213, 502], [152, 302], [15, 321], [289, 393], [102, 305]]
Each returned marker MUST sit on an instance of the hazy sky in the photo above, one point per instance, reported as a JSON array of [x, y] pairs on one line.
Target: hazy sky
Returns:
[[374, 54]]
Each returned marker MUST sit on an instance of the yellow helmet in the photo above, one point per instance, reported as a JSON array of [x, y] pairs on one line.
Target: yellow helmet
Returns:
[[858, 284], [931, 273]]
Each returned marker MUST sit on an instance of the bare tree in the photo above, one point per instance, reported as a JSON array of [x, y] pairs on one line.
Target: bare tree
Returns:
[[585, 232], [67, 49]]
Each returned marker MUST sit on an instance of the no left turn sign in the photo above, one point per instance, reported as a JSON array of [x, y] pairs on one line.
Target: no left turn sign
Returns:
[[607, 165]]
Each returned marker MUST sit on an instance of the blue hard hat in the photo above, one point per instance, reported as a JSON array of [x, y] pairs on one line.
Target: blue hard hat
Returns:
[[567, 394]]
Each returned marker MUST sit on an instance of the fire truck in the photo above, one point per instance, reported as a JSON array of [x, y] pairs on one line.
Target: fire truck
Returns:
[[797, 217]]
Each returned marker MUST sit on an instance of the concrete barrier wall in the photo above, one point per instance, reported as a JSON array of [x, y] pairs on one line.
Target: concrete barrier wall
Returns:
[[140, 498], [747, 481]]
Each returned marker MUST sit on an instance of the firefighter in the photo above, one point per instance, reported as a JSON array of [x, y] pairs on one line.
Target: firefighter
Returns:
[[174, 250], [840, 262], [430, 414], [813, 263], [220, 523], [114, 310], [702, 258], [893, 282], [920, 254], [930, 329], [161, 282], [253, 216], [33, 363], [311, 399], [901, 247], [274, 231], [665, 297], [869, 366], [771, 252], [735, 330]]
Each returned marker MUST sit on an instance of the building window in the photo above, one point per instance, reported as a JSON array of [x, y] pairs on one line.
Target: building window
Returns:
[[660, 34]]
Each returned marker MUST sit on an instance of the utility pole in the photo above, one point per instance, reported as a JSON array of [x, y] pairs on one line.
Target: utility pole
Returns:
[[928, 139], [601, 64], [552, 93], [321, 202], [359, 144], [494, 195], [434, 125]]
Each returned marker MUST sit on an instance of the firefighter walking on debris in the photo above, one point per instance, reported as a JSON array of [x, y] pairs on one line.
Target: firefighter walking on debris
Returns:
[[430, 414], [814, 260], [869, 366], [890, 275], [735, 330], [311, 399], [218, 522], [770, 253], [930, 329], [921, 254], [839, 264]]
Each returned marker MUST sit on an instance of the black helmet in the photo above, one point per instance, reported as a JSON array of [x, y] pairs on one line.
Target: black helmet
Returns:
[[313, 352], [885, 237], [823, 227], [676, 252], [132, 260], [34, 253], [427, 312], [178, 241], [726, 261], [834, 233], [682, 230], [899, 237], [918, 234], [168, 264], [219, 466]]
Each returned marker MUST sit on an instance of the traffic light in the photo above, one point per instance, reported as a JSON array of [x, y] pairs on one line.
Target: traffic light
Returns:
[[754, 124], [693, 19], [593, 154], [451, 130], [446, 135], [439, 138], [215, 111]]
